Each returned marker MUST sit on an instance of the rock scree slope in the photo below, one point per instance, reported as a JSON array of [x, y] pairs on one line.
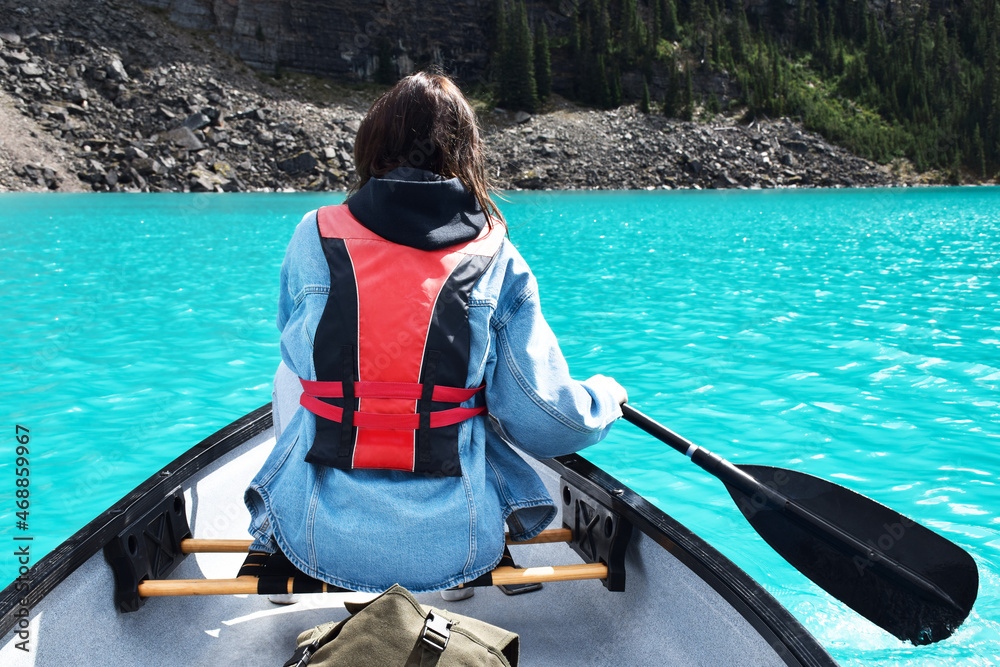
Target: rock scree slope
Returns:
[[106, 95]]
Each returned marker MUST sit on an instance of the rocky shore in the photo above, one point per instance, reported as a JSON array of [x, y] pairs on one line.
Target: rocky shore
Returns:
[[110, 96]]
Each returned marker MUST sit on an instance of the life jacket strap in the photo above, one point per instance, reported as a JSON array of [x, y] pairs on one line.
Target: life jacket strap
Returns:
[[347, 389], [423, 439], [411, 390], [390, 422]]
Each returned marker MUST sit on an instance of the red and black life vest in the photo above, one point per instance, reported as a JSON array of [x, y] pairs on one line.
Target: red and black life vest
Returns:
[[391, 349]]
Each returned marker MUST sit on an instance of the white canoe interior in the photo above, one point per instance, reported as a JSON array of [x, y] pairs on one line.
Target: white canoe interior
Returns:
[[668, 615]]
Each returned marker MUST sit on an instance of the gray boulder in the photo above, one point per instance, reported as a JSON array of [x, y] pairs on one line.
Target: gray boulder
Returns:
[[301, 163], [197, 121], [184, 137], [30, 70], [16, 57], [116, 71]]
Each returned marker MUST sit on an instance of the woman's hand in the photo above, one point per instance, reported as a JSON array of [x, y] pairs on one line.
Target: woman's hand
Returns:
[[616, 390]]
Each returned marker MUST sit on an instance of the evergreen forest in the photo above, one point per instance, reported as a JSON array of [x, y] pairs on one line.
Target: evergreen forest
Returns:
[[919, 80]]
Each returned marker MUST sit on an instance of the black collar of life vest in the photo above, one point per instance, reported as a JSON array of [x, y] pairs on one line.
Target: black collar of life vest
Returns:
[[418, 208]]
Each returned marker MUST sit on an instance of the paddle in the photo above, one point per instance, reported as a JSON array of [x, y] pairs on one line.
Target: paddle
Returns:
[[903, 577]]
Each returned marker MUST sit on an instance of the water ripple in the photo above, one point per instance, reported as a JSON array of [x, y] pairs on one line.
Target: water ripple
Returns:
[[849, 335], [852, 335]]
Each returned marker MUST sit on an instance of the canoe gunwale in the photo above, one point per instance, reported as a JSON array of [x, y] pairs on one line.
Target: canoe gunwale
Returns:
[[782, 631], [54, 567]]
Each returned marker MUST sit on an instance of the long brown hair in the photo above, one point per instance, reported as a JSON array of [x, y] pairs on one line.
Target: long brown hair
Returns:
[[425, 122]]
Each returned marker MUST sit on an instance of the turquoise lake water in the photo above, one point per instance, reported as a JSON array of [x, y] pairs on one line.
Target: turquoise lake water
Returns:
[[850, 334]]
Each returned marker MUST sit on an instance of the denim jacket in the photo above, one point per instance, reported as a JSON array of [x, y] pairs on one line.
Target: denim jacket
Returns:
[[368, 529]]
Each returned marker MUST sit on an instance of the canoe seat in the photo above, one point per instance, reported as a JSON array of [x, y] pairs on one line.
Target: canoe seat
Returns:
[[149, 548], [268, 574]]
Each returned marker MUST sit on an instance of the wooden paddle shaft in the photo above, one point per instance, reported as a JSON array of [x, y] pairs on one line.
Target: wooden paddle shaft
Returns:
[[196, 546], [248, 585]]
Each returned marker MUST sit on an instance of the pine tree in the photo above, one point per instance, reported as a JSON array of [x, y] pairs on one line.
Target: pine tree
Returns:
[[991, 96], [497, 23], [701, 16], [714, 9], [739, 35], [615, 87], [808, 25], [576, 51], [518, 89], [826, 39], [602, 92], [859, 24], [712, 105], [670, 23], [628, 31], [996, 151], [875, 52], [682, 8], [502, 65], [978, 152], [687, 112], [600, 26], [543, 61], [657, 22], [524, 59], [672, 97], [633, 32], [652, 40]]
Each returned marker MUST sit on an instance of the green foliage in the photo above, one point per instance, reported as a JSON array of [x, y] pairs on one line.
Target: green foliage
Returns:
[[543, 61], [598, 91], [672, 96], [712, 104], [600, 21], [920, 79], [631, 31], [978, 150], [687, 101], [670, 26], [514, 58], [932, 73], [615, 88]]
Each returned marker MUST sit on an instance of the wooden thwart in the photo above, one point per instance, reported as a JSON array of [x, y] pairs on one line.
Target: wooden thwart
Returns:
[[196, 546], [505, 576], [248, 585]]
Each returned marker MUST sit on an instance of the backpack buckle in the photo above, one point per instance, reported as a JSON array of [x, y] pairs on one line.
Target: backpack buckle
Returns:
[[436, 633]]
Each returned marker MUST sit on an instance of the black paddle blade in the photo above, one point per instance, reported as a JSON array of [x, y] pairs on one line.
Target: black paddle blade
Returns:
[[906, 579]]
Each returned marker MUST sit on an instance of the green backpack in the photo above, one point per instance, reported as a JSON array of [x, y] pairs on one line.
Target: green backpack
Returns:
[[393, 630]]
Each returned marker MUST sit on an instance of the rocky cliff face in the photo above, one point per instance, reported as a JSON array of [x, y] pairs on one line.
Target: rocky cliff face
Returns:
[[342, 38], [106, 95]]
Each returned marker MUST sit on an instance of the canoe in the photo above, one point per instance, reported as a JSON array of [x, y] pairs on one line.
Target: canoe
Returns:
[[681, 602]]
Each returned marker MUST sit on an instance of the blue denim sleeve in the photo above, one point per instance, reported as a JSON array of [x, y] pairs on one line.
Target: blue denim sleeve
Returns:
[[303, 287], [296, 266], [532, 399], [285, 299]]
